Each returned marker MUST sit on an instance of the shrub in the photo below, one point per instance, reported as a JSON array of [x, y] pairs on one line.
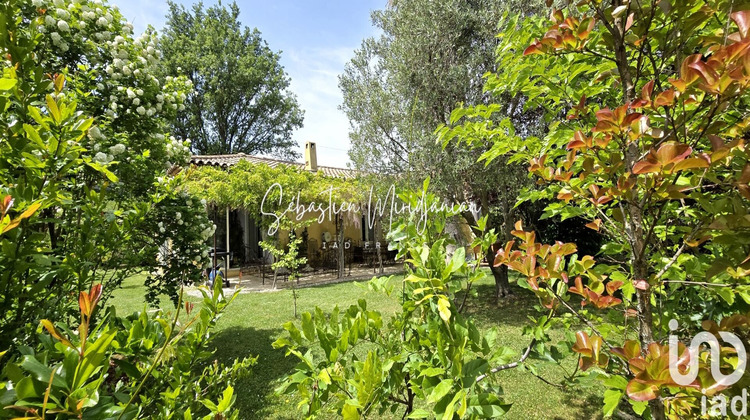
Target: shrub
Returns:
[[84, 148], [141, 366]]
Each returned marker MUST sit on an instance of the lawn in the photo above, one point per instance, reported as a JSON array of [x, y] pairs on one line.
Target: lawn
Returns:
[[254, 321]]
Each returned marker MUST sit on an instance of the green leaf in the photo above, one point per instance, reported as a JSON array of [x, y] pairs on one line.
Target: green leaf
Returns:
[[451, 407], [293, 332], [726, 293], [419, 413], [226, 400], [25, 389], [349, 412], [441, 390], [54, 111], [639, 407], [325, 377], [488, 406], [433, 371], [210, 405], [308, 327], [7, 84], [616, 382], [458, 260], [34, 135], [473, 369], [104, 171], [612, 399], [94, 358], [40, 371], [444, 308]]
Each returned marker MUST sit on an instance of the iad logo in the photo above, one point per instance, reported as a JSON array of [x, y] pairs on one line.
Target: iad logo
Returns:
[[718, 403]]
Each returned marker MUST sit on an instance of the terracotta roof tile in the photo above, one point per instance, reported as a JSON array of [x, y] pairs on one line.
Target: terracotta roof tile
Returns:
[[226, 161]]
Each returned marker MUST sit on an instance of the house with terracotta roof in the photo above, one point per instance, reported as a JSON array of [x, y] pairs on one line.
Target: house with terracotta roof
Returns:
[[239, 234]]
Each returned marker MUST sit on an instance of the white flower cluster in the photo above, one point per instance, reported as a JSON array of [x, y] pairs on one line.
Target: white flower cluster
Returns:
[[125, 67], [130, 63], [77, 21], [178, 151], [207, 231], [103, 158]]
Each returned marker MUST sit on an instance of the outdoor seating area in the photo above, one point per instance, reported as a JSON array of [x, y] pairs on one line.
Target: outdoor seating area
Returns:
[[256, 280], [360, 261]]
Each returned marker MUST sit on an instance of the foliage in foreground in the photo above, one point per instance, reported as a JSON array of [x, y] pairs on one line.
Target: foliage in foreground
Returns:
[[427, 360], [647, 104], [145, 365], [84, 147]]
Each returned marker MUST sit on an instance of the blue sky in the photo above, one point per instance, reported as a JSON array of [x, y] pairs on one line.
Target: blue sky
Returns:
[[316, 39]]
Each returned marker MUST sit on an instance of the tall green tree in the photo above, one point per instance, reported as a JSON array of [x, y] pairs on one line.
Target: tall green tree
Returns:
[[241, 101], [402, 85]]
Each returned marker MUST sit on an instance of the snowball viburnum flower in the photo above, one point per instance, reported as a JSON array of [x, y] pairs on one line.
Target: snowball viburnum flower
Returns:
[[141, 110], [100, 157], [95, 133], [63, 26], [117, 149]]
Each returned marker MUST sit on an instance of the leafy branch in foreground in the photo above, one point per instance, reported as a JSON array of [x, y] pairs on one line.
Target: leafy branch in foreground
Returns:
[[142, 366], [427, 360], [647, 104]]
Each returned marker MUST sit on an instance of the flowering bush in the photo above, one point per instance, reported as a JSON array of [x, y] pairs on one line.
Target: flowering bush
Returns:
[[85, 144], [107, 64], [181, 236]]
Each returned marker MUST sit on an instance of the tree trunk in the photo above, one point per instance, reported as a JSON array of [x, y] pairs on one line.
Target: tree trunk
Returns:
[[340, 239], [502, 285], [294, 297], [634, 228]]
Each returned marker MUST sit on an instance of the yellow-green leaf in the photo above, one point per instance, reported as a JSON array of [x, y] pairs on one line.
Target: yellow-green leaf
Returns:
[[54, 111], [349, 412], [7, 84], [25, 215], [444, 309]]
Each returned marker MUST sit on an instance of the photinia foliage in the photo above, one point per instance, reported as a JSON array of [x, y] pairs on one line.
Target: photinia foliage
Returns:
[[428, 360], [646, 105], [146, 365]]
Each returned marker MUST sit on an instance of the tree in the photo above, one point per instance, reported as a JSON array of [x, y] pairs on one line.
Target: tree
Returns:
[[647, 104], [401, 86], [240, 101]]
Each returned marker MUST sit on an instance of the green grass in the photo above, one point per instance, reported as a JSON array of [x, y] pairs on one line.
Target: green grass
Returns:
[[254, 321]]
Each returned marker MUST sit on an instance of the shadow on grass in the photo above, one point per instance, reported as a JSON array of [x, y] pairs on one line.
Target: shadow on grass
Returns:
[[589, 406], [253, 392], [513, 310]]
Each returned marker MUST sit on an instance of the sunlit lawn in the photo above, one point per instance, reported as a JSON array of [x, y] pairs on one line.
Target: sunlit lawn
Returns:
[[254, 321]]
